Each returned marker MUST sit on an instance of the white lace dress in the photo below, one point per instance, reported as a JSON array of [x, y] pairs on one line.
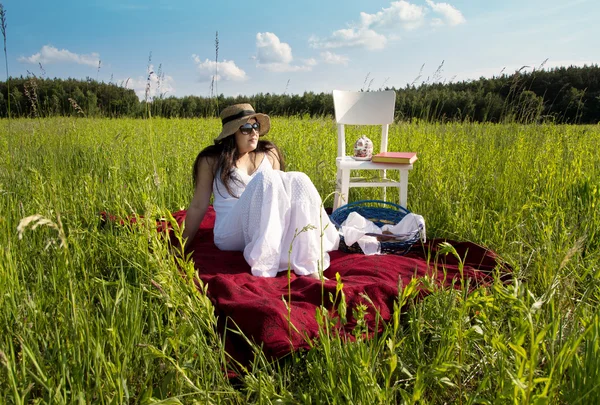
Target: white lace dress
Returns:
[[272, 210]]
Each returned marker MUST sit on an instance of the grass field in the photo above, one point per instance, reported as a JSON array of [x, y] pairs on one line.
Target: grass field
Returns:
[[83, 321]]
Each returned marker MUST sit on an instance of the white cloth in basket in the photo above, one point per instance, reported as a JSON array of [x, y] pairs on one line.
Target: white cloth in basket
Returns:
[[407, 227], [355, 229]]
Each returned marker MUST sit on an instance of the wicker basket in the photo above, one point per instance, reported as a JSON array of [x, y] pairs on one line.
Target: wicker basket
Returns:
[[380, 213]]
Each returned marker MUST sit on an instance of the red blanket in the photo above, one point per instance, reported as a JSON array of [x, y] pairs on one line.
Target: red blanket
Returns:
[[255, 305]]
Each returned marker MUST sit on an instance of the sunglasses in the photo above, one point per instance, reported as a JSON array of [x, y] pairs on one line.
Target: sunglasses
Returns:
[[247, 129]]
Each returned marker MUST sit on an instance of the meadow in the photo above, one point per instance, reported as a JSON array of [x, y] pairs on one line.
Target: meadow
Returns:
[[102, 314]]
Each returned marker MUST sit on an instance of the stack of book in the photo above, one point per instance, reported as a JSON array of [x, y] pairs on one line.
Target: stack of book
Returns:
[[395, 157]]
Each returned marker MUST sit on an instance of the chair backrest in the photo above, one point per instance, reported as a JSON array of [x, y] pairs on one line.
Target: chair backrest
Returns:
[[363, 108]]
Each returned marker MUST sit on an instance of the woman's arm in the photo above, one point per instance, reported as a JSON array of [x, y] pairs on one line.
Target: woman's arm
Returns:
[[274, 157], [200, 201]]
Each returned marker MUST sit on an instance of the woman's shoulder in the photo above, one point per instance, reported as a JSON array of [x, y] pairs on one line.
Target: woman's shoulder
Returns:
[[206, 164], [273, 156], [209, 159], [271, 152]]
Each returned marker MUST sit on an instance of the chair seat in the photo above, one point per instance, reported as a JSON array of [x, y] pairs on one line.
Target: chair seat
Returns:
[[359, 182], [347, 162]]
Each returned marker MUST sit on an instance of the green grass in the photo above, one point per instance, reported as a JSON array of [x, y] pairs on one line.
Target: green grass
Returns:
[[92, 314]]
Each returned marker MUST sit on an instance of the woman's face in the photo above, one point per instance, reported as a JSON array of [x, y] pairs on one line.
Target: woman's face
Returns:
[[246, 143]]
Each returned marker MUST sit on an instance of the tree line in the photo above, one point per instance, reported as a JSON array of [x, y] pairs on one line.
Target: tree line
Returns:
[[561, 95]]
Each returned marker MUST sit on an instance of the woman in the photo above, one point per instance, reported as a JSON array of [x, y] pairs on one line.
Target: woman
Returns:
[[260, 209]]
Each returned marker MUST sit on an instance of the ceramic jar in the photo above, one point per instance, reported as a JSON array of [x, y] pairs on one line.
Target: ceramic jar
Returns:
[[363, 148]]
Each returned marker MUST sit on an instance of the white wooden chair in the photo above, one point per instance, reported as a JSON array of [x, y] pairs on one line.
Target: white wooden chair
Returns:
[[365, 108]]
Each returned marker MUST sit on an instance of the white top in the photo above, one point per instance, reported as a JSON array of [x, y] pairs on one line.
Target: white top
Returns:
[[223, 201]]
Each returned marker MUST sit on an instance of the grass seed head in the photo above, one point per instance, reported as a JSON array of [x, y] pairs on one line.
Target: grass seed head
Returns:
[[38, 220], [76, 106]]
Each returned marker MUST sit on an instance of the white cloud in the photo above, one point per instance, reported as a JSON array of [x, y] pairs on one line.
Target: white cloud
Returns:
[[375, 31], [399, 14], [334, 59], [49, 54], [271, 50], [450, 15], [226, 70], [351, 37], [276, 56], [436, 22], [310, 62], [284, 67], [155, 85]]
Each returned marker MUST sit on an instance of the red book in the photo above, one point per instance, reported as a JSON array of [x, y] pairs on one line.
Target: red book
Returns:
[[395, 157]]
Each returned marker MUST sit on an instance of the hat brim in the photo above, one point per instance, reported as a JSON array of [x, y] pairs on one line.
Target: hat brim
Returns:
[[231, 127]]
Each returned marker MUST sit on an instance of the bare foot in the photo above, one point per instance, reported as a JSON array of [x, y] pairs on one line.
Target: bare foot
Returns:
[[316, 276]]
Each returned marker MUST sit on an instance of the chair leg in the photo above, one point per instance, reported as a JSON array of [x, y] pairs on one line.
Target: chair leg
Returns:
[[339, 197], [345, 180], [338, 190], [403, 188], [383, 177]]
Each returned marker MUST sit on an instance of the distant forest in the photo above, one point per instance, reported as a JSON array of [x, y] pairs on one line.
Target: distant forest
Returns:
[[560, 95]]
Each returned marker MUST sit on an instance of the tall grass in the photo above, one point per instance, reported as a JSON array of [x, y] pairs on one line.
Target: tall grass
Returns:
[[3, 28], [101, 313]]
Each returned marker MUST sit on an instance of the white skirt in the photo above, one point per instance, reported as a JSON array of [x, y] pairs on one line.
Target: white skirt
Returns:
[[279, 222]]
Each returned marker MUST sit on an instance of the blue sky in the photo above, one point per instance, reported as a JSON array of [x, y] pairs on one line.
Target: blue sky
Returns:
[[284, 46]]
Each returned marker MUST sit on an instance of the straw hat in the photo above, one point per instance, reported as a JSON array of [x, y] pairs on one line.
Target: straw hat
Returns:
[[234, 116]]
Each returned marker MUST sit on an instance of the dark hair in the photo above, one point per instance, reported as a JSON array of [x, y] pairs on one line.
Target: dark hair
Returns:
[[225, 150]]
